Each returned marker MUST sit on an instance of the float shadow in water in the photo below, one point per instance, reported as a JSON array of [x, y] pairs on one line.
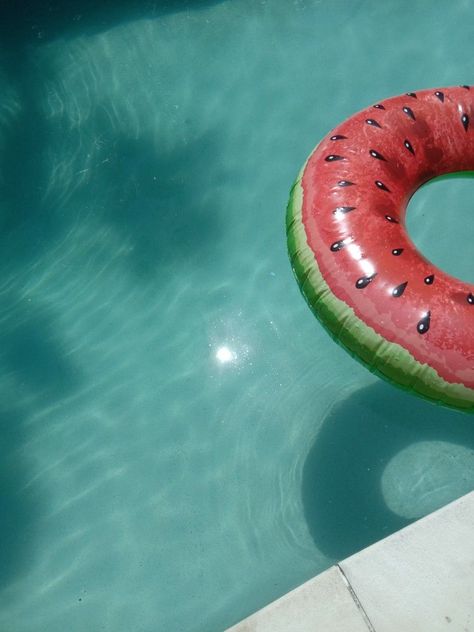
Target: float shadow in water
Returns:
[[342, 490]]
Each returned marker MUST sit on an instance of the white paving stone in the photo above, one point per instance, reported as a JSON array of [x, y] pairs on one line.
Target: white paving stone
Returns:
[[420, 579], [323, 604]]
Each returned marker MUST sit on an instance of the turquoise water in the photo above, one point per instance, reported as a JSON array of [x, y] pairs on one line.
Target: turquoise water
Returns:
[[180, 441]]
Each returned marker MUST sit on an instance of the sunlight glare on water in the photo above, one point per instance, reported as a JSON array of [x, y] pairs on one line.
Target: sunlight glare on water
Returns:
[[225, 355]]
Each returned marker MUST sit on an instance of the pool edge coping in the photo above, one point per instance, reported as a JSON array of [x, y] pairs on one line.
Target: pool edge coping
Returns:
[[421, 575]]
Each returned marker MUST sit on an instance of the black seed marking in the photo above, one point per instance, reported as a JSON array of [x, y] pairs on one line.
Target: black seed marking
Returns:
[[397, 251], [465, 121], [375, 154], [411, 94], [440, 95], [345, 183], [398, 291], [343, 209], [409, 112], [338, 245], [470, 298], [373, 122], [408, 145], [379, 106], [333, 157], [338, 137], [467, 87], [391, 219], [424, 324], [364, 281], [382, 186], [429, 280]]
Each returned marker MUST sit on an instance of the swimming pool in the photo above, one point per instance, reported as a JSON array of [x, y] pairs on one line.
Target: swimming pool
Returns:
[[180, 441]]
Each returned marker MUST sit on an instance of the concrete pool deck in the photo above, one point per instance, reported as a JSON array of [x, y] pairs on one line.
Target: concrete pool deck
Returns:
[[420, 579]]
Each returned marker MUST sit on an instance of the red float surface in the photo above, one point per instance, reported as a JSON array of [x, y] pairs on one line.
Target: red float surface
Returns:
[[356, 186]]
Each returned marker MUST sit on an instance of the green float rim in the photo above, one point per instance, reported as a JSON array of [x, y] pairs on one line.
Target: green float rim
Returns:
[[388, 360]]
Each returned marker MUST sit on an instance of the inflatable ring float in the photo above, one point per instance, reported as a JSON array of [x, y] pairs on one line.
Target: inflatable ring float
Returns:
[[362, 276]]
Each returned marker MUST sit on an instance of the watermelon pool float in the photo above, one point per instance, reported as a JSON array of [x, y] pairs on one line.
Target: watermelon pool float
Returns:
[[377, 295]]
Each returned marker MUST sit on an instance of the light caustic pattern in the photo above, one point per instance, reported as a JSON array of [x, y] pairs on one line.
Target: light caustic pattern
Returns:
[[163, 388], [145, 374]]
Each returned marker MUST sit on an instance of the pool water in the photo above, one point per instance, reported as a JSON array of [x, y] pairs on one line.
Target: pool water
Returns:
[[180, 441]]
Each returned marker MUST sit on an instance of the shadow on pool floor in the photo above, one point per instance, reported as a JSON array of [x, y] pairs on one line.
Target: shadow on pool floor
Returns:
[[36, 21], [35, 372], [155, 196], [34, 361], [342, 479]]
